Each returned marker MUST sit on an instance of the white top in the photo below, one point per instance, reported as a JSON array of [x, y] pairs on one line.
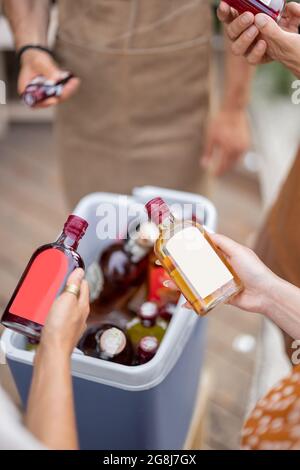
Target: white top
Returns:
[[13, 434]]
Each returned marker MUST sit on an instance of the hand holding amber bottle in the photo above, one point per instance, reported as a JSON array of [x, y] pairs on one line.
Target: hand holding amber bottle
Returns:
[[188, 254]]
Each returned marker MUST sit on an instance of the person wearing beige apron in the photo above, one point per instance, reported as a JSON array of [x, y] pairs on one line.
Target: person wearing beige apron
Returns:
[[140, 114]]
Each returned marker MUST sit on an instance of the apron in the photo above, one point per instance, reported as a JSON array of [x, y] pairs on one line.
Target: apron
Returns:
[[278, 244], [139, 116]]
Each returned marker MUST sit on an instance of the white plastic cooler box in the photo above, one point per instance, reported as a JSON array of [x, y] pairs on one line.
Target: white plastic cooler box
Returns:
[[120, 407]]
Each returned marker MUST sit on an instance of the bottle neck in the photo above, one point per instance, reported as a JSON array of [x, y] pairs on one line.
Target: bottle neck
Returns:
[[67, 241], [167, 222], [136, 249], [148, 322]]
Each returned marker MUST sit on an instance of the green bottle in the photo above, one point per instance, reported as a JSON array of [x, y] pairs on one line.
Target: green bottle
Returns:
[[147, 323]]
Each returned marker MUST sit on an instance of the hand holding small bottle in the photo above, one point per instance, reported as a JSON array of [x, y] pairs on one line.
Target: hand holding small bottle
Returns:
[[50, 414], [35, 63], [260, 39], [257, 279]]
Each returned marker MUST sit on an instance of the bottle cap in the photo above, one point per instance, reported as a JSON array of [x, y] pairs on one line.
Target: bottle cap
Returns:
[[148, 311], [112, 341], [75, 227], [148, 344], [157, 210]]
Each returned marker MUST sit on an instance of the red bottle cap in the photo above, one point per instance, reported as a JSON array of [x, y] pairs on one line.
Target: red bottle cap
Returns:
[[148, 311], [75, 227], [157, 210]]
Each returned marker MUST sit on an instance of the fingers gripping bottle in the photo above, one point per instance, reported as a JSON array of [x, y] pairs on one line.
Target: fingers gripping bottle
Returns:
[[44, 279], [190, 257]]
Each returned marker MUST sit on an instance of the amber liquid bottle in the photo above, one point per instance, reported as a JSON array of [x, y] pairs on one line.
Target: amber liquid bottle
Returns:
[[195, 264], [44, 279], [157, 290]]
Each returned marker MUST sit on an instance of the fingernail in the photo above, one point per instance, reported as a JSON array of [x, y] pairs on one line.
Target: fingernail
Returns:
[[252, 31], [223, 6], [80, 273], [186, 305], [261, 45], [167, 283], [261, 20], [246, 18], [63, 74]]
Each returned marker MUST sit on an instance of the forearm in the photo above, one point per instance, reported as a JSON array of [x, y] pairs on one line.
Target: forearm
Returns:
[[237, 80], [282, 306], [50, 413], [29, 20]]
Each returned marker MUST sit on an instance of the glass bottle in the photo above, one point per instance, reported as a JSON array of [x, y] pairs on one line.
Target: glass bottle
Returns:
[[122, 269], [44, 279], [108, 342], [157, 277], [146, 350], [147, 323], [273, 8], [195, 264], [167, 311], [39, 89], [31, 344]]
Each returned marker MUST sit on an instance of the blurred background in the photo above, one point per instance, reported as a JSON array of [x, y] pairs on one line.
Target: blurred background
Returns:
[[32, 208]]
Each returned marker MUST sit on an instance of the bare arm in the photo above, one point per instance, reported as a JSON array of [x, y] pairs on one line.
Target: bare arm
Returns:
[[50, 415], [238, 80], [29, 20], [264, 292], [282, 306], [228, 135]]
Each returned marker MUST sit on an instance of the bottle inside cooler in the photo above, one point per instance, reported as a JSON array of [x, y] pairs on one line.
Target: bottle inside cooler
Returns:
[[146, 323], [107, 342], [121, 270]]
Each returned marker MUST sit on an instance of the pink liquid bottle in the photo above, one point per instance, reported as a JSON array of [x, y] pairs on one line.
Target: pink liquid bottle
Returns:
[[44, 279], [273, 8]]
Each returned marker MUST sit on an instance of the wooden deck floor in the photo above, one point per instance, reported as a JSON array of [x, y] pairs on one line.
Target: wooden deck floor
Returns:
[[31, 211]]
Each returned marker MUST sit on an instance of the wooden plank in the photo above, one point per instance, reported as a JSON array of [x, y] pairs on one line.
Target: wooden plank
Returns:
[[225, 428]]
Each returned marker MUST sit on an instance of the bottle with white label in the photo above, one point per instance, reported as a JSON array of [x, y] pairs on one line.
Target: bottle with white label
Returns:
[[195, 264]]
